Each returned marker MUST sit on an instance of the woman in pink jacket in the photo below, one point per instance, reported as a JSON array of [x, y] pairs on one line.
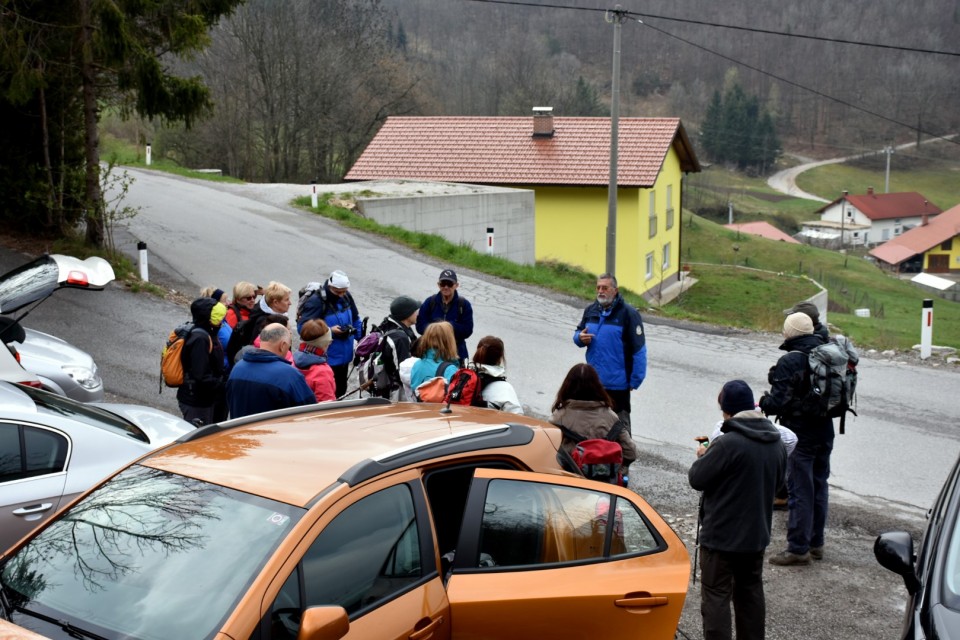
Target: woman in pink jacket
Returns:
[[311, 359]]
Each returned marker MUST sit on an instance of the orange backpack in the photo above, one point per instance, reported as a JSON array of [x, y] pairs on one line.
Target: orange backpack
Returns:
[[171, 358]]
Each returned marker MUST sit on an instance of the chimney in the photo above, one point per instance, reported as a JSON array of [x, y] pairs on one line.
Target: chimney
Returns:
[[543, 122], [869, 191], [924, 220]]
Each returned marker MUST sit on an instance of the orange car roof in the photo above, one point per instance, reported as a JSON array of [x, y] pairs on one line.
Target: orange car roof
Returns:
[[293, 455]]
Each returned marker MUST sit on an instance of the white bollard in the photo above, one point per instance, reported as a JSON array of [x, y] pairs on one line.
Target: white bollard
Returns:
[[490, 240], [313, 198], [926, 329], [148, 154], [144, 274]]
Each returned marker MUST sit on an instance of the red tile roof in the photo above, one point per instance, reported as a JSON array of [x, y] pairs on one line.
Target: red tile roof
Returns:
[[885, 206], [502, 150], [920, 239], [764, 230]]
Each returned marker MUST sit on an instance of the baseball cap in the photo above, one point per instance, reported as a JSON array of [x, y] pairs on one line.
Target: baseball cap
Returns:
[[448, 274]]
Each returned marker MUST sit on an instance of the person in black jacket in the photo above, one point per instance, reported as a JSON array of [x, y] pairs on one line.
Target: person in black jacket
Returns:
[[738, 475], [202, 391], [398, 337], [809, 464]]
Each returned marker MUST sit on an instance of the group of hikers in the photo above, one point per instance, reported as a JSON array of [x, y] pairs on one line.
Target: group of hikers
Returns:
[[238, 359]]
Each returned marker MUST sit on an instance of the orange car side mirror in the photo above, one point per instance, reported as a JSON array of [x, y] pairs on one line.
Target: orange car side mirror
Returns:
[[323, 623]]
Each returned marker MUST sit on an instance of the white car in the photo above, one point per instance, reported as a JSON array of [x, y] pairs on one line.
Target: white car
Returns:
[[58, 366], [53, 448]]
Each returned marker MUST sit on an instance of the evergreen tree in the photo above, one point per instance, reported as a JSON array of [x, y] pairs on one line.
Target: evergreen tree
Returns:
[[585, 101]]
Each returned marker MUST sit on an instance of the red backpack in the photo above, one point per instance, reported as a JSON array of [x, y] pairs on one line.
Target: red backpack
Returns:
[[466, 387], [598, 458]]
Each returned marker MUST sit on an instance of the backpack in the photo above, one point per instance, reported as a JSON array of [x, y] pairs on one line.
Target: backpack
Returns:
[[598, 459], [306, 293], [368, 360], [243, 334], [466, 387], [833, 380], [171, 358], [434, 389]]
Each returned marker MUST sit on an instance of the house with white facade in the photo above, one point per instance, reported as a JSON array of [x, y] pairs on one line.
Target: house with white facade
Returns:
[[869, 219]]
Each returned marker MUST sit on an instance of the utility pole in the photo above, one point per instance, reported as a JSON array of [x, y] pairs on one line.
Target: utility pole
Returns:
[[843, 217], [889, 151], [616, 16]]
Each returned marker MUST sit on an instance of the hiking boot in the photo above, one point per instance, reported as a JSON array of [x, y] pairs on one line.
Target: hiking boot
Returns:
[[816, 553], [787, 558], [779, 504]]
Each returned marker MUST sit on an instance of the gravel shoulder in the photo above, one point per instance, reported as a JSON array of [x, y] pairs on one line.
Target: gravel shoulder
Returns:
[[847, 595]]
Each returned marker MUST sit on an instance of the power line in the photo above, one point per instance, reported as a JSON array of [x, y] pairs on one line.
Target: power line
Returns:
[[795, 84], [704, 23]]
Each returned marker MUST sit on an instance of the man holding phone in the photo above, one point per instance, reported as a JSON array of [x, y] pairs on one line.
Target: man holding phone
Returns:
[[738, 474]]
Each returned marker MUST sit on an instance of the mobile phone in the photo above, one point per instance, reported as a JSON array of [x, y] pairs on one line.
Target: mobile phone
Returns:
[[703, 440]]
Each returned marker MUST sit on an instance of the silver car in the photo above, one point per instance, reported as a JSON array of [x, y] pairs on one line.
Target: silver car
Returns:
[[53, 448], [59, 366]]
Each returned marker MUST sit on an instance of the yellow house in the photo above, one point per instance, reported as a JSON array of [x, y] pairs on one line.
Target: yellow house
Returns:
[[565, 161], [933, 246]]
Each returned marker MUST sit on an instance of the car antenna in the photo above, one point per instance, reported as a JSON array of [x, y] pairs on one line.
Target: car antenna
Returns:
[[446, 409]]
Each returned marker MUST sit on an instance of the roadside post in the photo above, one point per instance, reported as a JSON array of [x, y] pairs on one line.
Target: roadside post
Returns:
[[313, 196], [148, 154], [142, 248], [489, 240], [926, 328]]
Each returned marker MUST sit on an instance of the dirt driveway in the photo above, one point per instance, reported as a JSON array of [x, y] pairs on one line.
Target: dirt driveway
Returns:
[[847, 595]]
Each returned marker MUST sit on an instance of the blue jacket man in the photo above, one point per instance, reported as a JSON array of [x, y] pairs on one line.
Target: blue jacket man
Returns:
[[447, 305], [263, 380], [612, 332], [333, 304]]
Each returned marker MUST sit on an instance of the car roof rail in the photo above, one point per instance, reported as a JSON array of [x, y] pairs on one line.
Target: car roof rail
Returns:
[[217, 427], [488, 437]]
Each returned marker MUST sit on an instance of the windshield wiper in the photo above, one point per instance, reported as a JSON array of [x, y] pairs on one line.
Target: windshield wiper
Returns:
[[5, 604], [72, 630]]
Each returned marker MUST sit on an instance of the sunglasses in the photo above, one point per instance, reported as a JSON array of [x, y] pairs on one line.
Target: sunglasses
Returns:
[[247, 298], [446, 283]]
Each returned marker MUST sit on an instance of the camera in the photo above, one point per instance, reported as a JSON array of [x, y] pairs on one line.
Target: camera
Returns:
[[346, 331]]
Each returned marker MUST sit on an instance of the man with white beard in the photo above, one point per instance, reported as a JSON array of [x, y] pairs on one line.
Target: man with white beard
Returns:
[[612, 332]]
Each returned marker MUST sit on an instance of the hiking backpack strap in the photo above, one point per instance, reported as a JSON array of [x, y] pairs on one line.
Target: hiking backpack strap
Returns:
[[614, 434], [442, 368]]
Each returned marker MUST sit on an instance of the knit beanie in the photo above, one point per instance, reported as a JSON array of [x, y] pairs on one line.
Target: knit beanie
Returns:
[[797, 324], [339, 280], [735, 397], [805, 307], [217, 314], [403, 307]]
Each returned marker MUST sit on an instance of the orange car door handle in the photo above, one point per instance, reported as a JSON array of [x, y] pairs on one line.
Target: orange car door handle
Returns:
[[642, 601], [426, 632], [34, 508]]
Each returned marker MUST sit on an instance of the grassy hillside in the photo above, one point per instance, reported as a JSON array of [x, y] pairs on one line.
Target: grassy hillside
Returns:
[[740, 297]]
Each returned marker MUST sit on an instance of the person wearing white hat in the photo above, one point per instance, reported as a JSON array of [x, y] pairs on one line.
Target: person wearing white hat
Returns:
[[333, 304], [808, 468]]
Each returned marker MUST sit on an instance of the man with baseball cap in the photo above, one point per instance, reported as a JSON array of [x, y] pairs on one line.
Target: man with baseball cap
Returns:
[[448, 305]]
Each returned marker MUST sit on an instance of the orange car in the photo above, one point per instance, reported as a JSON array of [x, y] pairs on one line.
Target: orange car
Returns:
[[356, 519]]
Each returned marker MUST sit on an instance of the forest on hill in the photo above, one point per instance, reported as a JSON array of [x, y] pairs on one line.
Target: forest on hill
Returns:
[[293, 90], [300, 87]]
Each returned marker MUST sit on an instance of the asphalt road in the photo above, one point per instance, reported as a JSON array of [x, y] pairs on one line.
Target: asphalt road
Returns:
[[886, 470]]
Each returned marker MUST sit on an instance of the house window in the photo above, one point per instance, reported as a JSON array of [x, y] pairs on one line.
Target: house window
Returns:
[[669, 206], [650, 265], [653, 213], [666, 257], [947, 244]]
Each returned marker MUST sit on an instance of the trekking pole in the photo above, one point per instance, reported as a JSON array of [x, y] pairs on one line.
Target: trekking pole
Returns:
[[696, 542]]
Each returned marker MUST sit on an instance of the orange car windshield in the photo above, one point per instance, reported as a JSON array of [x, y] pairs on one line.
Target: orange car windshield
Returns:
[[148, 555]]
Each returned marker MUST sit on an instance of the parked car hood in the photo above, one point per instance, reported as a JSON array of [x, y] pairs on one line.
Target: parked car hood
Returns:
[[41, 350], [161, 427], [38, 279]]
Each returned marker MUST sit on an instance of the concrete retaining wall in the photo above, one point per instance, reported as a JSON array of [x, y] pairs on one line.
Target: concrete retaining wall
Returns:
[[464, 218]]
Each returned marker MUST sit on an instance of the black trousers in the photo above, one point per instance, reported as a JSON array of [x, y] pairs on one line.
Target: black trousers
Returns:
[[340, 373], [737, 577], [621, 406]]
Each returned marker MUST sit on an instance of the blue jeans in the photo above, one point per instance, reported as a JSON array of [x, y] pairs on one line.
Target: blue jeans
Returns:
[[809, 469]]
